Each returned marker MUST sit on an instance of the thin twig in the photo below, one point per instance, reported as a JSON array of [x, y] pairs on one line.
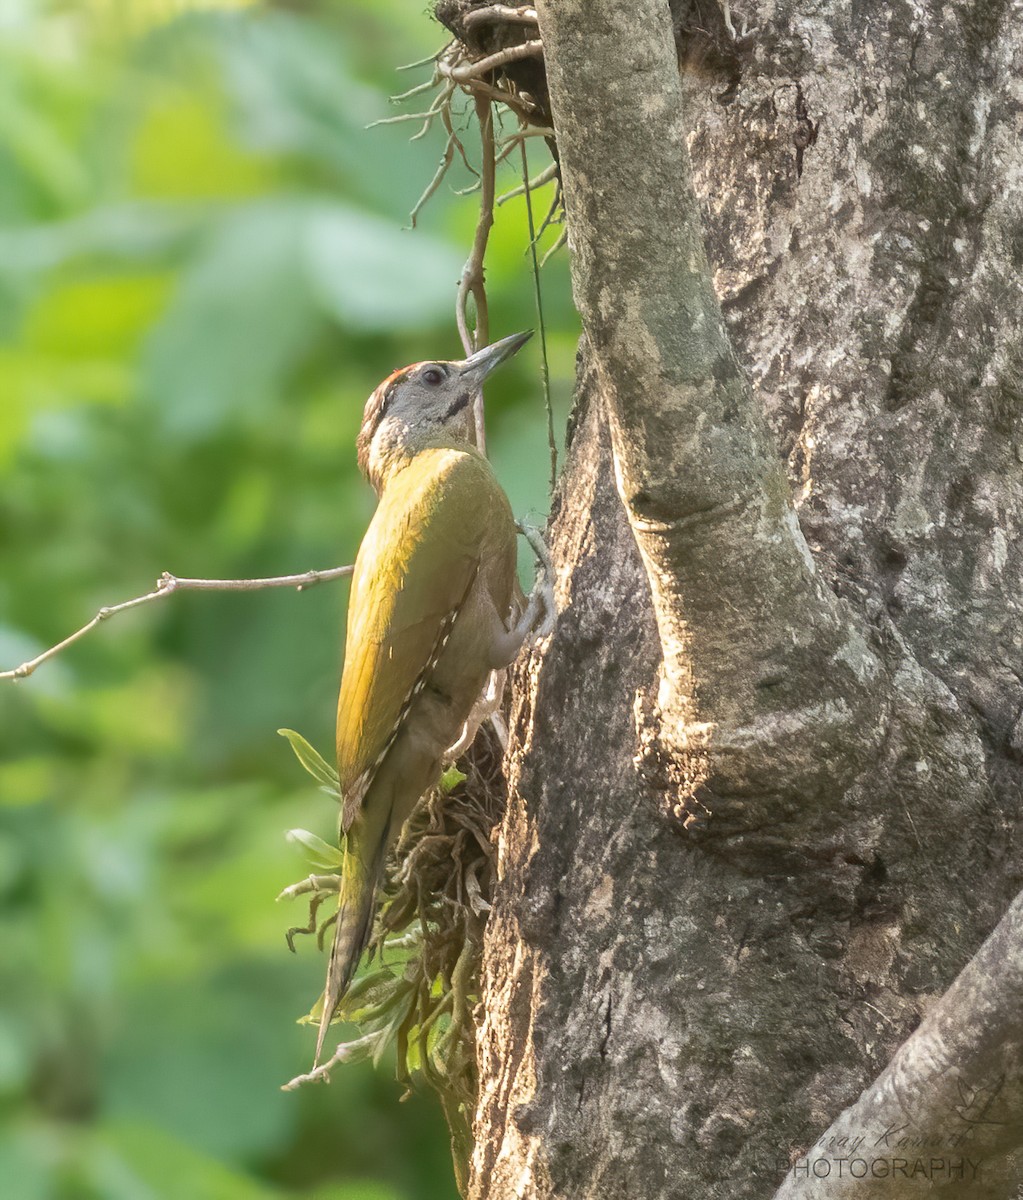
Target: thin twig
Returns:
[[503, 13], [555, 248], [527, 187], [435, 182], [519, 105], [423, 62], [439, 105], [531, 185], [445, 117], [509, 143], [472, 282], [168, 584], [455, 65], [527, 131], [417, 90], [426, 115], [552, 213]]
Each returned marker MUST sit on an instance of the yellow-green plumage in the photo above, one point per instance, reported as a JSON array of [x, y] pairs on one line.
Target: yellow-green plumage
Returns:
[[438, 520], [434, 578]]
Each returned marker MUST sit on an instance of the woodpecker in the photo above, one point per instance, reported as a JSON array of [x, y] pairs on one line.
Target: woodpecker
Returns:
[[433, 612]]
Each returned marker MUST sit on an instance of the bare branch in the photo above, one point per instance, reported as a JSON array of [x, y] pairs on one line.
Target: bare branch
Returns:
[[417, 90], [472, 282], [165, 586], [456, 67], [509, 143], [518, 104], [425, 115], [562, 241], [500, 14], [445, 117], [439, 106], [424, 62], [538, 299], [955, 1086], [552, 217], [466, 71], [538, 181], [435, 182]]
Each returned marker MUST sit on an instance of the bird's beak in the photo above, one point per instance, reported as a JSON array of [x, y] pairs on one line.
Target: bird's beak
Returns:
[[479, 365]]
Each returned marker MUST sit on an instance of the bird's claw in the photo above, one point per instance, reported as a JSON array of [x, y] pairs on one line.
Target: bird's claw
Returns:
[[541, 599], [318, 888]]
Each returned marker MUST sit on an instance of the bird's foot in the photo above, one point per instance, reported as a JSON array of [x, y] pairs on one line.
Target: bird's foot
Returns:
[[486, 706], [355, 1051], [541, 609], [318, 888]]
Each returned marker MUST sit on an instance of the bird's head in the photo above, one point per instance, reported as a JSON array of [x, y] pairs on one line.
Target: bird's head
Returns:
[[421, 405]]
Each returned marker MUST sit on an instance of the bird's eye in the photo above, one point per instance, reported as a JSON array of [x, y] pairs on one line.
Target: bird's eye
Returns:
[[433, 376]]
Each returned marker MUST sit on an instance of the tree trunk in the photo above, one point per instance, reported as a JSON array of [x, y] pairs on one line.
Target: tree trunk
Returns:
[[765, 777]]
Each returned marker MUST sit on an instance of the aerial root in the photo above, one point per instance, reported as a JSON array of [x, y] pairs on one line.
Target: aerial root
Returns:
[[465, 70], [345, 1051], [561, 242], [538, 181], [445, 162], [454, 70], [524, 14]]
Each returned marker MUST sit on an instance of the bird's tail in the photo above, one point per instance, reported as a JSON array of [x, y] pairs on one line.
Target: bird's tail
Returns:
[[359, 879]]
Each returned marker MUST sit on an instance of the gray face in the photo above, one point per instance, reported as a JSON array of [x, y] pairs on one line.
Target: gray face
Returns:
[[425, 401], [428, 397]]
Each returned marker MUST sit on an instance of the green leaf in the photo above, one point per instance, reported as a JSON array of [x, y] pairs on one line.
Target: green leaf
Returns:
[[369, 985], [388, 1032], [318, 852], [451, 778], [313, 761], [372, 1012]]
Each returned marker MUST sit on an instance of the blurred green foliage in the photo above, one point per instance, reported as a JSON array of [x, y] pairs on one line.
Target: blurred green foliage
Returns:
[[203, 273]]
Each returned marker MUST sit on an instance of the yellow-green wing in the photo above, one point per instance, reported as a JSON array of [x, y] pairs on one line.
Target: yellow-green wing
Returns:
[[414, 568]]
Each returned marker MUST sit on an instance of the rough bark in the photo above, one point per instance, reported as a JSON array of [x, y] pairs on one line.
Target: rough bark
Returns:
[[676, 1007], [756, 650], [974, 1032]]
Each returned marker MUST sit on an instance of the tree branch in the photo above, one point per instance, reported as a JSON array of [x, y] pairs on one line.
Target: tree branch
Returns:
[[472, 282], [756, 650], [500, 13], [165, 586], [952, 1093]]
